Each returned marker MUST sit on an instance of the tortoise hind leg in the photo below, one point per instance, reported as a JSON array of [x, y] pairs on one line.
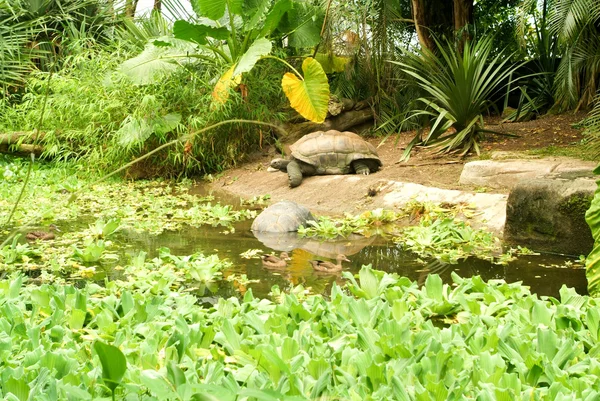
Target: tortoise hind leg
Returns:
[[360, 167], [294, 174]]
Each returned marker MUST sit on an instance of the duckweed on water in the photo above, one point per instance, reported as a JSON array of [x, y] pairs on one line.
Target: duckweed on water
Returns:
[[143, 206]]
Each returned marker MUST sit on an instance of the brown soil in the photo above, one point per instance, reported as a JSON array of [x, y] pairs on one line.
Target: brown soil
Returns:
[[340, 194]]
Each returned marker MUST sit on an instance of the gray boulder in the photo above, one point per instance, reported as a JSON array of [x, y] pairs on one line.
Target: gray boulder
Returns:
[[548, 214]]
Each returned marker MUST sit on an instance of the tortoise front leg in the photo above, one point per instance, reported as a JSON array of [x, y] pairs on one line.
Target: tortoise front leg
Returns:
[[360, 167], [294, 174]]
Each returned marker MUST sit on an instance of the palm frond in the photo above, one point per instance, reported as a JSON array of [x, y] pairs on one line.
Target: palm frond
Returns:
[[458, 86]]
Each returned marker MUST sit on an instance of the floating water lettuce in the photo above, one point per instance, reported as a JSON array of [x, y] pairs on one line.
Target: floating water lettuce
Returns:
[[384, 337]]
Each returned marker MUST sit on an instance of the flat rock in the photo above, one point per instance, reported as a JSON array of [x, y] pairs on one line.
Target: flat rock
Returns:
[[489, 209], [548, 214], [507, 173], [316, 194]]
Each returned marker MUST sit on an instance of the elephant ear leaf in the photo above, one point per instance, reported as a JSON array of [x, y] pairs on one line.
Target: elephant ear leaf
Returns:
[[592, 263], [260, 47], [227, 82], [308, 96]]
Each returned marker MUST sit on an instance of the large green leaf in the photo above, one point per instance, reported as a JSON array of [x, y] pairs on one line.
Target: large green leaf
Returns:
[[332, 63], [274, 17], [215, 9], [114, 364], [304, 26], [159, 59], [133, 131], [18, 387], [592, 263], [308, 96], [254, 12], [198, 33], [260, 47]]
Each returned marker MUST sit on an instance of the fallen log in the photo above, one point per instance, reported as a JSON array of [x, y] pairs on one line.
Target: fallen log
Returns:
[[21, 150], [15, 137], [11, 143]]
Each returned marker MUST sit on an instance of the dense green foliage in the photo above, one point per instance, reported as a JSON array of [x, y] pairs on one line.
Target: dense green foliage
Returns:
[[381, 337], [592, 264], [42, 34], [97, 115]]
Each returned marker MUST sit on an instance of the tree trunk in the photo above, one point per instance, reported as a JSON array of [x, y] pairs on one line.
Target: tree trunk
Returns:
[[421, 24], [130, 6], [463, 16], [433, 18], [158, 5]]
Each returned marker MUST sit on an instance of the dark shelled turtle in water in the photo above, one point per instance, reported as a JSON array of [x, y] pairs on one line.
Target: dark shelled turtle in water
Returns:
[[329, 152]]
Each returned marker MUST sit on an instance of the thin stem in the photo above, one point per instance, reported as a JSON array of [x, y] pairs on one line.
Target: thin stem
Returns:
[[233, 35], [32, 155], [286, 63], [322, 29]]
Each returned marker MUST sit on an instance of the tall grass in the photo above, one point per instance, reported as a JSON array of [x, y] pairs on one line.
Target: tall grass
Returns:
[[89, 104]]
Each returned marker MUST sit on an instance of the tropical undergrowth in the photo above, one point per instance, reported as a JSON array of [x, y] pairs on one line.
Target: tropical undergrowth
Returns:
[[382, 336], [97, 116]]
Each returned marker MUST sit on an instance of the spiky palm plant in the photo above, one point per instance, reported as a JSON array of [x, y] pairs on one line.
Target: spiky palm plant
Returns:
[[458, 88], [577, 25]]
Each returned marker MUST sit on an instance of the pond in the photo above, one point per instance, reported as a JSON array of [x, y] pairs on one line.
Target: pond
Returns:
[[544, 274], [153, 207]]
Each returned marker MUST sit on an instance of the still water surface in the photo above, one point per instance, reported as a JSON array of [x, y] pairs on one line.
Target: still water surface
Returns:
[[544, 274]]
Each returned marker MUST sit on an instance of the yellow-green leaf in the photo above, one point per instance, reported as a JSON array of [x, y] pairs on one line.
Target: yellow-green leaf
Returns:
[[227, 81], [308, 96], [592, 262]]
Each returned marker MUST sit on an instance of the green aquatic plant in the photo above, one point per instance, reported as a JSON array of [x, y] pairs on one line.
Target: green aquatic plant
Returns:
[[465, 338], [259, 201], [143, 206], [367, 223], [17, 252], [592, 262], [92, 252], [114, 365], [103, 229], [449, 240]]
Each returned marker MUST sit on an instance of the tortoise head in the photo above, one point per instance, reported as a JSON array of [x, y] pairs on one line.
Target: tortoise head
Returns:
[[279, 164]]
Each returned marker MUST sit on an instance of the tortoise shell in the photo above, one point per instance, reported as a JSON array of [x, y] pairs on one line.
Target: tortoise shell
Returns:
[[332, 152], [281, 217]]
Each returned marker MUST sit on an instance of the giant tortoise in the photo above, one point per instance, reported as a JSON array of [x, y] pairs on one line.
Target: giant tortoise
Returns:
[[329, 152], [282, 217]]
